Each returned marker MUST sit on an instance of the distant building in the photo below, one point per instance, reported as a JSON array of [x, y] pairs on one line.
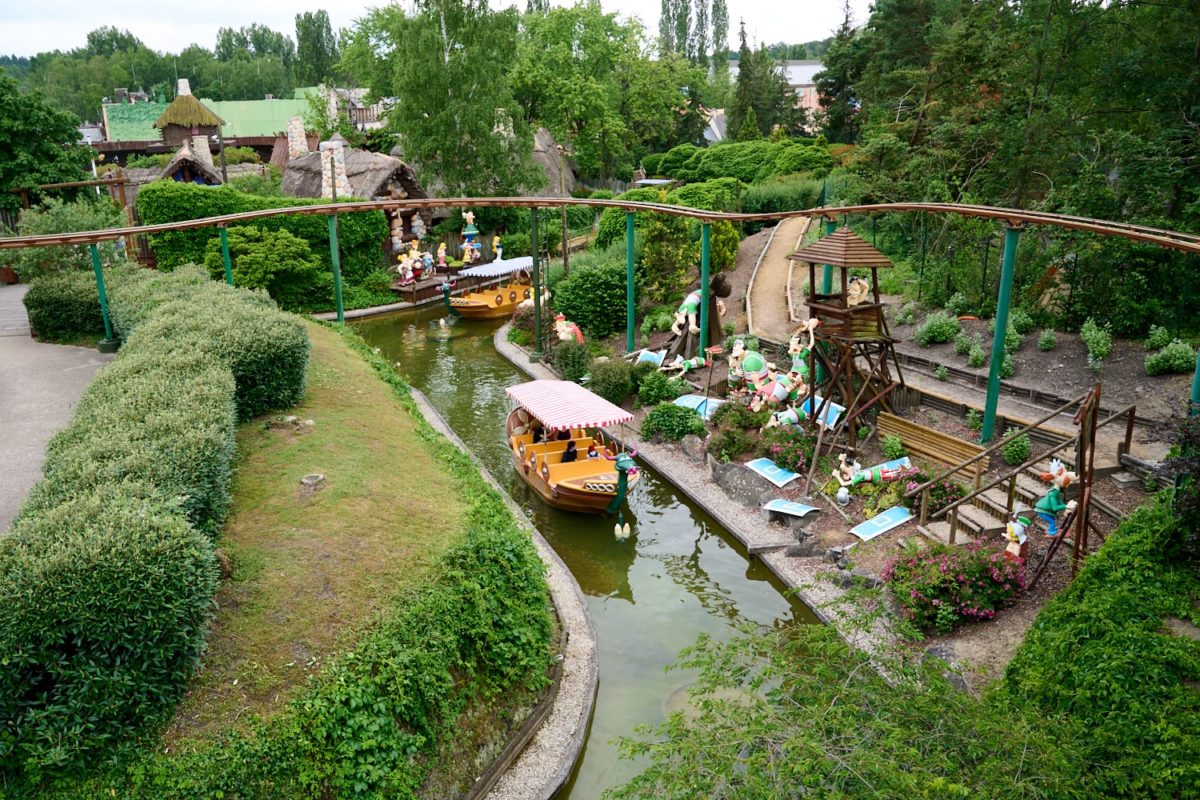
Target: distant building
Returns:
[[186, 118], [801, 76]]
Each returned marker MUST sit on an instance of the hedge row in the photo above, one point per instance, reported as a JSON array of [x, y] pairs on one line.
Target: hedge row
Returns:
[[64, 306], [373, 722], [361, 235], [107, 578], [749, 162]]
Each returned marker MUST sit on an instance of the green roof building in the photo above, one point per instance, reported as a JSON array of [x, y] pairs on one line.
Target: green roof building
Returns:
[[134, 122]]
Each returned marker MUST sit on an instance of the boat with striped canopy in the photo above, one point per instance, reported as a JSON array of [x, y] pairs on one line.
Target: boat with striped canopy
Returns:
[[546, 417], [498, 301]]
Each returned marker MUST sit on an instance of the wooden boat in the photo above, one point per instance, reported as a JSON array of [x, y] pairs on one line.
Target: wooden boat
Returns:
[[498, 301], [550, 408]]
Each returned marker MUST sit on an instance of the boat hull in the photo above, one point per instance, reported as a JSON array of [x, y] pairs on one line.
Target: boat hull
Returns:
[[492, 304]]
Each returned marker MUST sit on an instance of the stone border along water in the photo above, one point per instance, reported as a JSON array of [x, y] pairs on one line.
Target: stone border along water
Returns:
[[804, 577], [542, 767]]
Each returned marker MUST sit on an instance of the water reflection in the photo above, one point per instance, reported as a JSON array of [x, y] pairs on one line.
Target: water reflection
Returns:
[[680, 574]]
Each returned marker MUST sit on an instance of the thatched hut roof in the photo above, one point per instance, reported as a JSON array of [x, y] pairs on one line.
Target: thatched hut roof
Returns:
[[188, 112], [185, 157], [373, 176]]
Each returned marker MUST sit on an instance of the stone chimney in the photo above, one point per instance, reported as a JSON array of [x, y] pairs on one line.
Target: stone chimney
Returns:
[[297, 139], [184, 87], [336, 148], [200, 150]]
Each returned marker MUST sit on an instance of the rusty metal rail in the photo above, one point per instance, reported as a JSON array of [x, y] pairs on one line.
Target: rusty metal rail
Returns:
[[1173, 240]]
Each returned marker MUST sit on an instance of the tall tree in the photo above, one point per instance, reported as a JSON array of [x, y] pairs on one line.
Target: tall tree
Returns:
[[681, 18], [700, 31], [720, 41], [537, 6], [40, 143], [316, 47], [445, 62], [836, 83], [666, 27]]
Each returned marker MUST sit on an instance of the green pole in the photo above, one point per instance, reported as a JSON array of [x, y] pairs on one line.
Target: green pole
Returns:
[[827, 275], [337, 268], [705, 258], [1195, 408], [108, 332], [225, 256], [629, 309], [537, 287], [1012, 237]]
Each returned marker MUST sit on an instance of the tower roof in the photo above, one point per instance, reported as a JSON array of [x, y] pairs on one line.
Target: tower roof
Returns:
[[188, 112], [842, 248]]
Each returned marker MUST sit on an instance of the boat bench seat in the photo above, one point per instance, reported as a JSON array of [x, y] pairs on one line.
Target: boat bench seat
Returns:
[[552, 451], [584, 468]]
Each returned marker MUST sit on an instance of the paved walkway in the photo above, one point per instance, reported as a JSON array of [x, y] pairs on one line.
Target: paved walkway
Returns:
[[39, 386], [769, 315]]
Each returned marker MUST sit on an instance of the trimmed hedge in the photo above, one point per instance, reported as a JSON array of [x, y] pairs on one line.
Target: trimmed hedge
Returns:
[[64, 306], [104, 607], [360, 235]]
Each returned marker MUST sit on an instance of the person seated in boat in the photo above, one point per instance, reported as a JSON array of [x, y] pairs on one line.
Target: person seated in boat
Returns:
[[591, 451], [564, 434], [539, 434], [570, 454]]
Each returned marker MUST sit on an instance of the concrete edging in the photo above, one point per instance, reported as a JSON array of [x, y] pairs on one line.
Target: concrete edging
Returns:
[[566, 727]]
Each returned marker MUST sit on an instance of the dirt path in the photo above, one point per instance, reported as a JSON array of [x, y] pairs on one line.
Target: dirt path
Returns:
[[769, 317]]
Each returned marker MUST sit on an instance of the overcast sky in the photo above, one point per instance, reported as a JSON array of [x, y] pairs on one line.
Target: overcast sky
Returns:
[[169, 25]]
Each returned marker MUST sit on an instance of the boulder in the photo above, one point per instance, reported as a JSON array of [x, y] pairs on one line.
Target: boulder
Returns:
[[742, 484], [692, 447]]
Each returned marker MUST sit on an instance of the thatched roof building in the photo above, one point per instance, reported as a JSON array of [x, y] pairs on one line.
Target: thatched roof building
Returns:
[[186, 117], [373, 176]]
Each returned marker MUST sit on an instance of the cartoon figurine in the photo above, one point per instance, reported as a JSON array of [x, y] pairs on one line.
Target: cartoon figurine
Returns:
[[857, 291], [852, 474], [687, 312], [800, 354], [781, 389], [789, 416], [427, 261], [1014, 532], [469, 217], [567, 330], [497, 248], [684, 364], [748, 366], [1050, 504], [441, 255]]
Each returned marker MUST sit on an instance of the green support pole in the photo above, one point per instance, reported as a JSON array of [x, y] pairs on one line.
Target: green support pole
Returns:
[[108, 332], [537, 287], [1194, 408], [705, 258], [337, 268], [629, 309], [827, 275], [225, 256], [1012, 238]]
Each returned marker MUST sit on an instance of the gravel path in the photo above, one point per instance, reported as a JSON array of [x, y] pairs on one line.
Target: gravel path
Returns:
[[768, 297]]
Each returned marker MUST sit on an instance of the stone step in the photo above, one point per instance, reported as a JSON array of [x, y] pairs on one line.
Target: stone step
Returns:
[[978, 520], [939, 531]]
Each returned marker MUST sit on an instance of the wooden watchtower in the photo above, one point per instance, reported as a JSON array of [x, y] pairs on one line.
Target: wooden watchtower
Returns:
[[854, 345]]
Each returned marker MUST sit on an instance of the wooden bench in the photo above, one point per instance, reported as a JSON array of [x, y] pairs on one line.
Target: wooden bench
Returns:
[[922, 441]]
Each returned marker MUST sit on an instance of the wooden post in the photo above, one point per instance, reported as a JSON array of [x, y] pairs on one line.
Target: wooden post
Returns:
[[1123, 447], [953, 524], [1012, 493], [924, 506]]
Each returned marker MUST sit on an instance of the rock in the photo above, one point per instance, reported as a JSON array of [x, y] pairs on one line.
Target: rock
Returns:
[[308, 423], [1125, 480], [741, 484], [871, 581], [834, 554], [312, 481], [808, 548], [944, 651], [843, 562], [692, 446], [291, 419]]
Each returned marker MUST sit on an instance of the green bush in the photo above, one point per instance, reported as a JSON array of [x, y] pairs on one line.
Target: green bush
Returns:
[[893, 448], [1020, 321], [657, 388], [64, 306], [976, 356], [739, 416], [906, 314], [789, 446], [104, 607], [749, 161], [672, 422], [958, 304], [1178, 357], [571, 359], [652, 164], [974, 419], [1012, 341], [1047, 341], [594, 298], [266, 350], [657, 319], [56, 216], [361, 235], [729, 443], [276, 262], [941, 373], [1008, 367], [676, 157], [949, 584], [782, 193], [523, 319], [1158, 338], [612, 379], [1016, 450], [937, 328], [134, 294], [962, 343], [1098, 341]]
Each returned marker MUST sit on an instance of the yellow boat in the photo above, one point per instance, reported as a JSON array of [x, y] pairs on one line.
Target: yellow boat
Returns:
[[549, 409], [498, 301]]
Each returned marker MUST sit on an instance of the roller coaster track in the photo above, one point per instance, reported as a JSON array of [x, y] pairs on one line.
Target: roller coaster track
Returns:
[[1173, 240]]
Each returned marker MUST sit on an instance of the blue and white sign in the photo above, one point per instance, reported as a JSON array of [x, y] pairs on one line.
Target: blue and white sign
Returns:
[[651, 357], [833, 412], [792, 509], [773, 472], [882, 523], [699, 403]]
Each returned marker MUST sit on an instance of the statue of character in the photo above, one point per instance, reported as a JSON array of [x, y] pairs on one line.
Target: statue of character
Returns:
[[404, 269], [781, 389], [684, 364], [1050, 504], [857, 291], [1014, 531], [469, 217], [800, 354], [788, 416], [851, 475], [427, 261], [496, 247], [687, 312], [748, 367], [567, 330], [441, 255]]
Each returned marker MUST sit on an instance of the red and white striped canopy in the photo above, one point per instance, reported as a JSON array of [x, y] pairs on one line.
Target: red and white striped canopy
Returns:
[[562, 404]]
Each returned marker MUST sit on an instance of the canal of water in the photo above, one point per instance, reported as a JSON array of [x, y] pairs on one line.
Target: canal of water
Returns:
[[680, 575]]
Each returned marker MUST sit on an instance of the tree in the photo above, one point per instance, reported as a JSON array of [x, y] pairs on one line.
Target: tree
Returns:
[[455, 113], [698, 47], [836, 82], [720, 58], [762, 86], [316, 47], [40, 144], [749, 127]]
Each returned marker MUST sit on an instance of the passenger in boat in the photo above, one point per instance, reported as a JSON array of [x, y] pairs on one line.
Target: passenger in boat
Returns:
[[564, 434], [539, 435], [591, 451], [570, 454]]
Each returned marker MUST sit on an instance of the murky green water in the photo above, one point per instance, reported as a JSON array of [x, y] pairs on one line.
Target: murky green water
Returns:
[[680, 574]]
